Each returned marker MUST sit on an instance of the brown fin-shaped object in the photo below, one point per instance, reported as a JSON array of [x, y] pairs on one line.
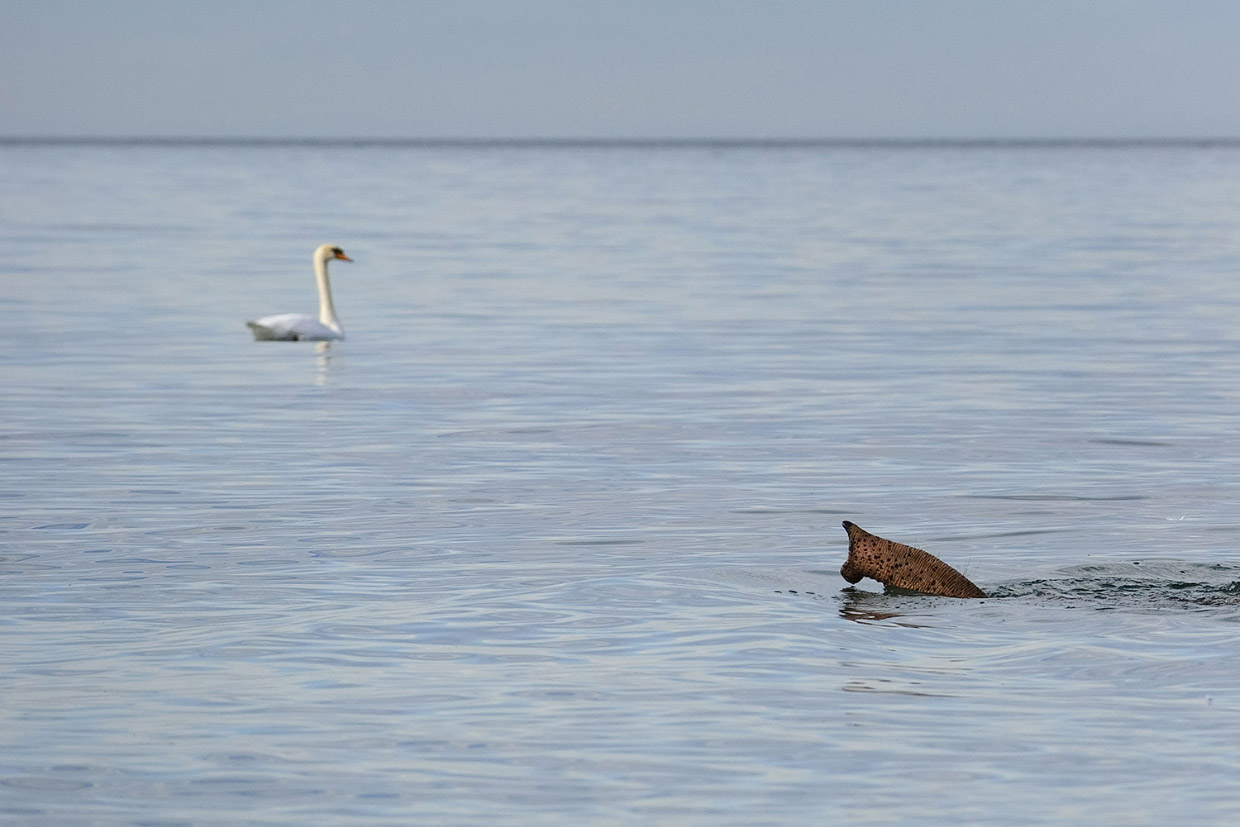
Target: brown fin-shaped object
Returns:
[[901, 566]]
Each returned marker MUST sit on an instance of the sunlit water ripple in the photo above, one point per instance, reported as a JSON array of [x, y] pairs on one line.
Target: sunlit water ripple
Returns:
[[554, 535]]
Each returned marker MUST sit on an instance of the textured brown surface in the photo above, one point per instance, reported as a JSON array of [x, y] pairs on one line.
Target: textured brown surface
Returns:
[[901, 566]]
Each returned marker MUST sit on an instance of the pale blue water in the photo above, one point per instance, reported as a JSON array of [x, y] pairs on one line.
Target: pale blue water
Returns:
[[554, 535]]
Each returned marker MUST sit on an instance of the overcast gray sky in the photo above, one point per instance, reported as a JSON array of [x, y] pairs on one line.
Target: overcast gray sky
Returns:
[[604, 68]]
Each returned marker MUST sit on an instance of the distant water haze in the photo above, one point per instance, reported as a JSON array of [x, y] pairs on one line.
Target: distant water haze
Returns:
[[666, 69]]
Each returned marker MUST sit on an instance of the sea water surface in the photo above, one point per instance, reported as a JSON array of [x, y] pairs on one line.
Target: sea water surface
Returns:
[[554, 535]]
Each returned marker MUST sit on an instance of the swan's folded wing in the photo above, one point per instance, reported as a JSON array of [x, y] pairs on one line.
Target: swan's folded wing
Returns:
[[291, 327]]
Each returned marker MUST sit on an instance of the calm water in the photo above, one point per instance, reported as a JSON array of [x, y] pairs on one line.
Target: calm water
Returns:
[[554, 535]]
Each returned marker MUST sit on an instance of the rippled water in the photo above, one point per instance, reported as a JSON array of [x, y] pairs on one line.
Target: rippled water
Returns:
[[554, 535]]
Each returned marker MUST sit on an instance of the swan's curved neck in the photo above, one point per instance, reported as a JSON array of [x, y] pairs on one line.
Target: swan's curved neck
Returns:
[[327, 310]]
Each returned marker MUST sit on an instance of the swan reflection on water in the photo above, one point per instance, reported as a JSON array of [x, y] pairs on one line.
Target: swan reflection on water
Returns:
[[322, 361]]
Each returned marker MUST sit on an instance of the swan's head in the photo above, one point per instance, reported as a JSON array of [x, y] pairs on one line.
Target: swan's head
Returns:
[[327, 252]]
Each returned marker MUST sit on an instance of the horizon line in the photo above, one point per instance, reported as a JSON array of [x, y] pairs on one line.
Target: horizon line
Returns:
[[606, 142]]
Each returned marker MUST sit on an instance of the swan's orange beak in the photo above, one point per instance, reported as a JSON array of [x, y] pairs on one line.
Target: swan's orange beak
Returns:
[[343, 257]]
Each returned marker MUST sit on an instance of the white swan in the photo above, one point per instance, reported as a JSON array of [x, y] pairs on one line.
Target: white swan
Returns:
[[294, 327]]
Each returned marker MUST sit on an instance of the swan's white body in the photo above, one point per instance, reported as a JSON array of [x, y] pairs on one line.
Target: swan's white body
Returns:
[[302, 327]]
